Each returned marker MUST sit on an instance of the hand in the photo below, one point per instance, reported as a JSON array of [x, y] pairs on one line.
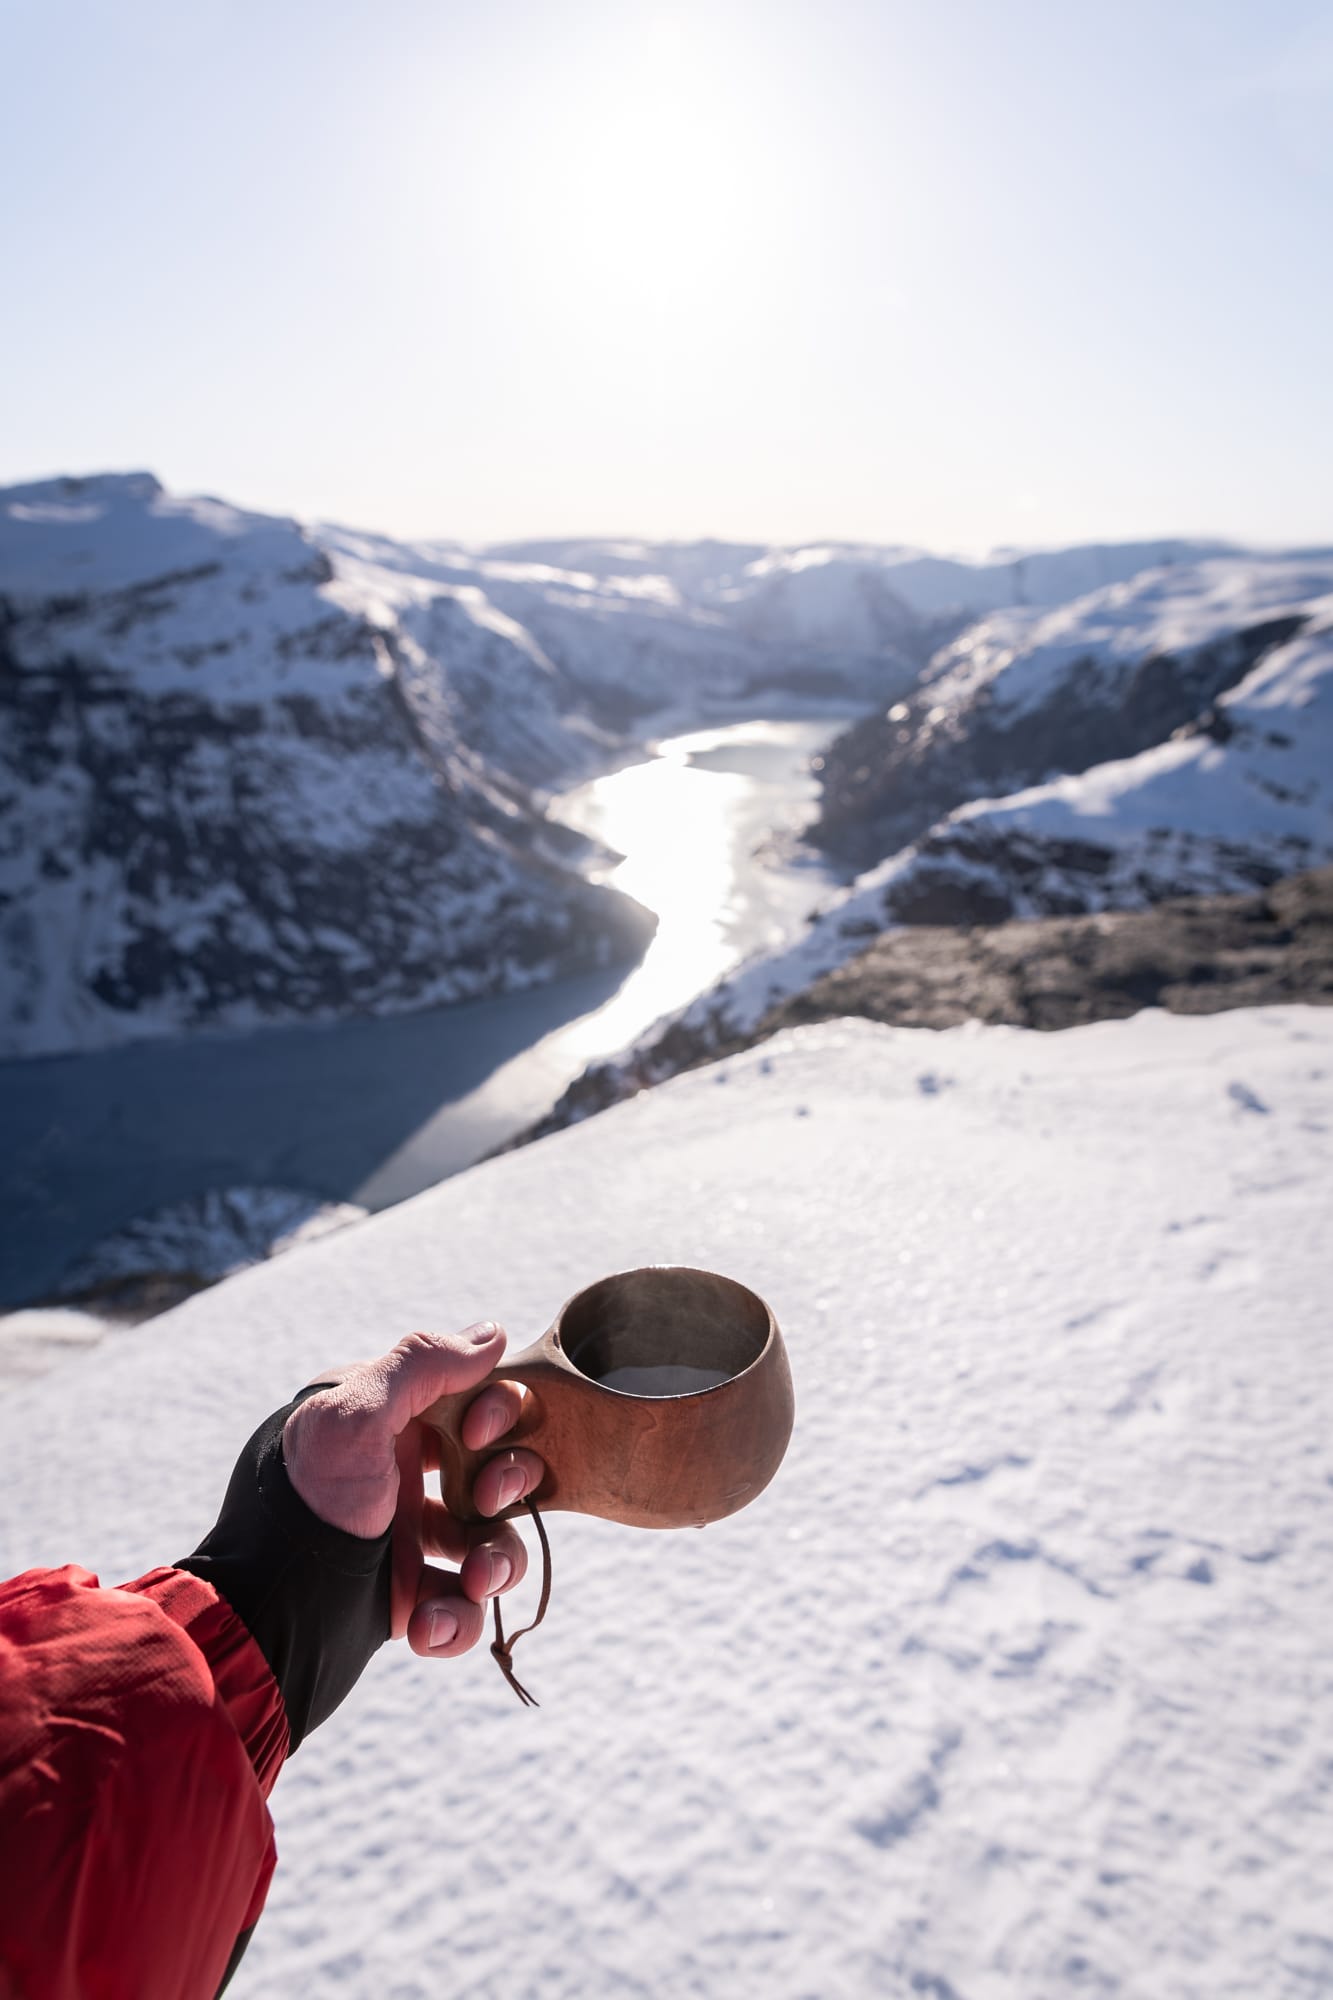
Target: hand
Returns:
[[358, 1458]]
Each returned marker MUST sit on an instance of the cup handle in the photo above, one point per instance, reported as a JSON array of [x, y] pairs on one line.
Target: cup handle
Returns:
[[459, 1465]]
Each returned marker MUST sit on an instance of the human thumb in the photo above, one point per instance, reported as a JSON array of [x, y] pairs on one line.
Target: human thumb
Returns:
[[426, 1366]]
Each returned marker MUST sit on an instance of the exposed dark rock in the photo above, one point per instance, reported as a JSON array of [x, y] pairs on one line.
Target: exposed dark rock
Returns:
[[1198, 955]]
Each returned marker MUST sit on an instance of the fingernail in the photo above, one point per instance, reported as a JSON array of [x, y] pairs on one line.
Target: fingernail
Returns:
[[443, 1628], [497, 1423], [512, 1483], [484, 1330], [501, 1571]]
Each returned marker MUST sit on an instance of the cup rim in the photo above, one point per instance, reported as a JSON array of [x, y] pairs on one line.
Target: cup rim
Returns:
[[677, 1396]]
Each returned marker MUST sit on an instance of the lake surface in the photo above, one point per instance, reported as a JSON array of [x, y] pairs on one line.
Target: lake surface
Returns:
[[374, 1110]]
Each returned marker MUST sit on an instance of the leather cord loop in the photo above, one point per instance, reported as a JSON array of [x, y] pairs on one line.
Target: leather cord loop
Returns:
[[501, 1648]]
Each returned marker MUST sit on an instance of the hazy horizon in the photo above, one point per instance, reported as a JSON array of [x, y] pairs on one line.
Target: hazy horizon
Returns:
[[782, 274], [628, 537]]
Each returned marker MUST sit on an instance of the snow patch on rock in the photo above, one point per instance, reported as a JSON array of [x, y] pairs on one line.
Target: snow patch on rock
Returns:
[[210, 1236]]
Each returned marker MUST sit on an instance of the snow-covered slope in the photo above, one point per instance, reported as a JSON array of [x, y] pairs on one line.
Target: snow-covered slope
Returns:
[[241, 787], [639, 626], [1232, 802], [824, 581], [652, 631], [1026, 693], [836, 595], [1015, 1683]]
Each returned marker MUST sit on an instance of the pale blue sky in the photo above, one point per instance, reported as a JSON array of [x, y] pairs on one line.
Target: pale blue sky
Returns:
[[955, 272]]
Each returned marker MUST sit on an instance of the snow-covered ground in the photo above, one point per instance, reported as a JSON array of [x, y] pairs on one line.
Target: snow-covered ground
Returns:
[[35, 1338], [1016, 1684]]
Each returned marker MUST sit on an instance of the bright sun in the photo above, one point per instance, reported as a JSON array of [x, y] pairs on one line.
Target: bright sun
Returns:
[[657, 181]]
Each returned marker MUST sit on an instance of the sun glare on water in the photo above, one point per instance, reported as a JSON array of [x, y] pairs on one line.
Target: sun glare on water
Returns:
[[675, 825]]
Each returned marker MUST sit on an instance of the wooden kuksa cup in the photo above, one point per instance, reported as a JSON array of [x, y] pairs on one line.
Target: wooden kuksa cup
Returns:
[[673, 1460]]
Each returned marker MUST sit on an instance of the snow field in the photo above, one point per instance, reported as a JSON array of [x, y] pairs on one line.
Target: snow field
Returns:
[[1014, 1684]]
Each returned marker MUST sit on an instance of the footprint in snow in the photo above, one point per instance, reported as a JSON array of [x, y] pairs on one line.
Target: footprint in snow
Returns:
[[1241, 1094]]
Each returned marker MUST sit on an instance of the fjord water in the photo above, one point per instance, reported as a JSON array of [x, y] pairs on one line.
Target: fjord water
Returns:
[[375, 1110], [700, 827]]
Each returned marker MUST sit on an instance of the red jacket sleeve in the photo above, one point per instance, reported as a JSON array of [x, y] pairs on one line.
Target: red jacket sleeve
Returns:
[[141, 1731]]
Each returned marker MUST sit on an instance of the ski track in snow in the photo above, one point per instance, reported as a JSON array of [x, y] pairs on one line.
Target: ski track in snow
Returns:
[[1016, 1683]]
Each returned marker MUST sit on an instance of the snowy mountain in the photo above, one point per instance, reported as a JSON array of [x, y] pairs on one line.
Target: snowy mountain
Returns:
[[828, 575], [1016, 1681], [240, 786], [1026, 693], [1232, 801], [657, 631], [835, 595], [258, 772], [1236, 797], [832, 612]]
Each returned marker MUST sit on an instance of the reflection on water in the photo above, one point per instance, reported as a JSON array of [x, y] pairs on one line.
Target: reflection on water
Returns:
[[374, 1110], [688, 823], [672, 824]]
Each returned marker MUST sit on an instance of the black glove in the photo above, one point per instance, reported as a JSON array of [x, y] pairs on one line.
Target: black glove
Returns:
[[314, 1598]]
